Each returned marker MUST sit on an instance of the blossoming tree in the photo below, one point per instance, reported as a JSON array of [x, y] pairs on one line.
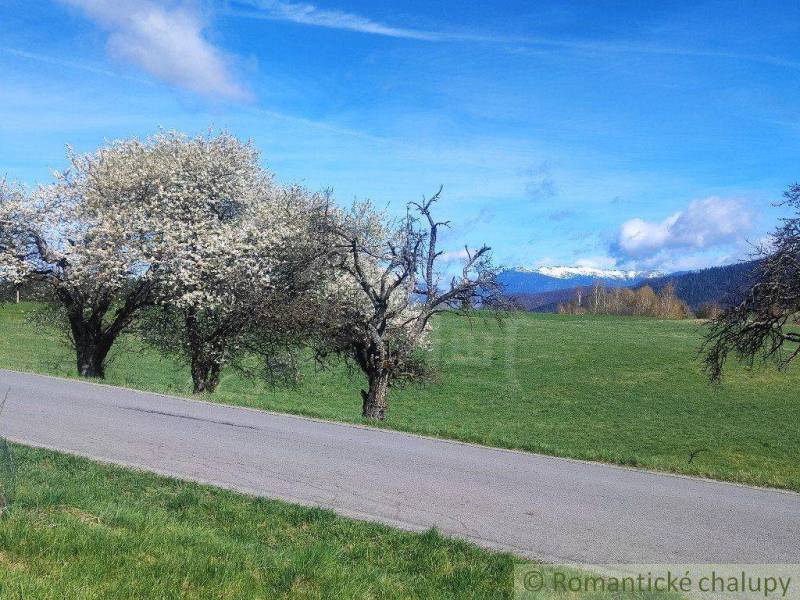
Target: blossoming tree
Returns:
[[241, 282], [192, 225], [83, 237]]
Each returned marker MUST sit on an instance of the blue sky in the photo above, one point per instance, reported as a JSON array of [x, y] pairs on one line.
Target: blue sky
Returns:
[[637, 135]]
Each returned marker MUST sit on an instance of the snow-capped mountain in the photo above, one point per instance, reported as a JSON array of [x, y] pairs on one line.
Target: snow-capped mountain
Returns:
[[542, 290], [567, 272], [547, 279]]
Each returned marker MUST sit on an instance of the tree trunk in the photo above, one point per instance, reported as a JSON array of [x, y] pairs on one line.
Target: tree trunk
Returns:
[[92, 345], [205, 368], [205, 375], [93, 333], [375, 399], [91, 356]]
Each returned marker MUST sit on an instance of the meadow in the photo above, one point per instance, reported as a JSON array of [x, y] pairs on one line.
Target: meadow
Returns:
[[617, 389]]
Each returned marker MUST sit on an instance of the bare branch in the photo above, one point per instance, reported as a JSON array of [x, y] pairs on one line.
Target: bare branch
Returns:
[[759, 326]]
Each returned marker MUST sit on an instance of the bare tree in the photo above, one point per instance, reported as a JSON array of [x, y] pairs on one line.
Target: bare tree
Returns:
[[762, 325], [390, 290]]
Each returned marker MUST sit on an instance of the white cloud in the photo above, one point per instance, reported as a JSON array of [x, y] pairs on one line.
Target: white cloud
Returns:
[[705, 224], [167, 41], [638, 237]]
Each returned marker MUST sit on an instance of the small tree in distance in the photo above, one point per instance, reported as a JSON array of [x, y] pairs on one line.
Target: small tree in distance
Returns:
[[388, 289], [764, 323]]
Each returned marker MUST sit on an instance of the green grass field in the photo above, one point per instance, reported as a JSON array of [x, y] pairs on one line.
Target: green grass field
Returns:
[[614, 389]]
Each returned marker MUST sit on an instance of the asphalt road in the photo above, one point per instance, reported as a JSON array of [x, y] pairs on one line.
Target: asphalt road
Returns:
[[546, 508]]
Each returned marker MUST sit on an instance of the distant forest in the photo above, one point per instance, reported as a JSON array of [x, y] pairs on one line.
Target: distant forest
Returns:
[[720, 285], [641, 301]]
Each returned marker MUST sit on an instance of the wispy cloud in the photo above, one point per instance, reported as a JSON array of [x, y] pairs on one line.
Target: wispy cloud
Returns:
[[636, 47], [563, 214], [540, 185], [325, 126], [60, 62], [254, 110], [310, 14], [166, 41]]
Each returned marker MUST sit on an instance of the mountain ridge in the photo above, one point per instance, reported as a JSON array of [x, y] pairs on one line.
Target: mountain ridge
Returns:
[[547, 279], [721, 285], [565, 272]]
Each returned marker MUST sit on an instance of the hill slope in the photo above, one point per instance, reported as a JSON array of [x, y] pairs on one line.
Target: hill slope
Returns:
[[722, 285]]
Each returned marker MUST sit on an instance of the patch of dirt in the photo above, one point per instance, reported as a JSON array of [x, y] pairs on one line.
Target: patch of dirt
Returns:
[[10, 563], [83, 516]]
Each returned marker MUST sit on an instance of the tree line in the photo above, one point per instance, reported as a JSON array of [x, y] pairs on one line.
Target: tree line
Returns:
[[191, 244], [642, 301]]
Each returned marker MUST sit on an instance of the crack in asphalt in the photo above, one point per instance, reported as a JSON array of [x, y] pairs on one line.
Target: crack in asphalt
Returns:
[[188, 417]]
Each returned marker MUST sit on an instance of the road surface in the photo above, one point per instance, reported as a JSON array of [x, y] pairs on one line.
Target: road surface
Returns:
[[552, 509]]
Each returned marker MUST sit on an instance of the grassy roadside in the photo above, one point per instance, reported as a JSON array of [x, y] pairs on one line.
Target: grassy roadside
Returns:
[[83, 530], [614, 389]]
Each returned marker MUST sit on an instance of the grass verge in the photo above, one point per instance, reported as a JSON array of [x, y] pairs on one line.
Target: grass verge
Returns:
[[83, 530]]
